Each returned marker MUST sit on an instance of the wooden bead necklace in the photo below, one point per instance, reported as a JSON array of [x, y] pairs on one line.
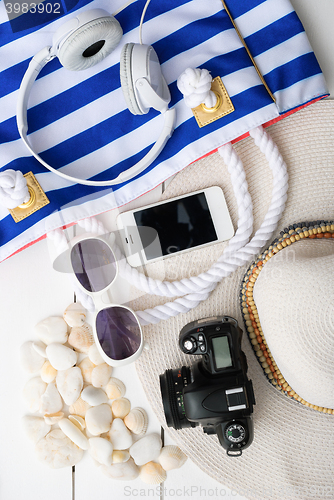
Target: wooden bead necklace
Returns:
[[295, 232]]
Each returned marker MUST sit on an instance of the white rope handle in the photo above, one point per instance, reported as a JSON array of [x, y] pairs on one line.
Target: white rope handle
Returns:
[[13, 188], [229, 257], [241, 237], [229, 262], [236, 254]]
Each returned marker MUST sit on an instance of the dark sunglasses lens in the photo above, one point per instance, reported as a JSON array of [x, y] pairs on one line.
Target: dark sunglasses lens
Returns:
[[94, 264], [118, 332]]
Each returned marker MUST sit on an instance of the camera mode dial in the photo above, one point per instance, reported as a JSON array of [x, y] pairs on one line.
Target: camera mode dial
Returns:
[[235, 433]]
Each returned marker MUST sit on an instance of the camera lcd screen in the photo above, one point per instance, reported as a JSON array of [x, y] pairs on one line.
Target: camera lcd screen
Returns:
[[221, 352], [180, 224]]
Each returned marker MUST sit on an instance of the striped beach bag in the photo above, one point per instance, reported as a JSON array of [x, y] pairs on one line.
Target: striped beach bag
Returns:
[[79, 121]]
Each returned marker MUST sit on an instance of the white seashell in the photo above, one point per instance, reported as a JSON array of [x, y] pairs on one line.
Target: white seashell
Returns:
[[60, 356], [57, 450], [52, 329], [35, 427], [71, 431], [51, 401], [94, 355], [78, 421], [81, 337], [146, 449], [48, 373], [94, 396], [119, 435], [101, 450], [171, 457], [101, 375], [137, 421], [69, 384], [98, 419], [32, 393], [120, 407], [152, 473], [75, 314], [31, 361], [40, 348], [126, 471], [53, 418], [119, 456], [80, 407], [115, 388], [86, 367]]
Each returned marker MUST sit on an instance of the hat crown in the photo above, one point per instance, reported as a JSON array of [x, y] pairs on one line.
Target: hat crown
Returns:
[[294, 298]]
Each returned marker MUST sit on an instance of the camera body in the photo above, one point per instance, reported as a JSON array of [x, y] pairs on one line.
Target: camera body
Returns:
[[215, 392]]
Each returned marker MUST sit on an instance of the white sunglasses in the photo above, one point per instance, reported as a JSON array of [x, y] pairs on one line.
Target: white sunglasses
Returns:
[[117, 331]]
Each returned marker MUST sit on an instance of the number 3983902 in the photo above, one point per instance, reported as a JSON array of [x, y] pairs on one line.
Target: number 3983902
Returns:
[[33, 8]]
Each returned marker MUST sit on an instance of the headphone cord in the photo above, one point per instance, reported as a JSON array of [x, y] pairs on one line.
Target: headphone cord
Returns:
[[142, 20], [129, 2]]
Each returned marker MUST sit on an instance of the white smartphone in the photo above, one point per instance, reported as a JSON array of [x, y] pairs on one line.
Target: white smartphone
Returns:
[[174, 226]]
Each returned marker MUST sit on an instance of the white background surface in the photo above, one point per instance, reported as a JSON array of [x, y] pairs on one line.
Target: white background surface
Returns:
[[317, 18], [30, 291]]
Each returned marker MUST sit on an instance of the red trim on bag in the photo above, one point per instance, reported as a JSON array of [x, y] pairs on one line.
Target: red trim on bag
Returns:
[[35, 241], [25, 246], [74, 223], [265, 125]]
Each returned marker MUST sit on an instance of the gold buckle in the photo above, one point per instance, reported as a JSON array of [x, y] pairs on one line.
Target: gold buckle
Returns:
[[223, 106], [38, 199]]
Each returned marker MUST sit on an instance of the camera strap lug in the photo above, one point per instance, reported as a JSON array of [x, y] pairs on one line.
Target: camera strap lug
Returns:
[[234, 453]]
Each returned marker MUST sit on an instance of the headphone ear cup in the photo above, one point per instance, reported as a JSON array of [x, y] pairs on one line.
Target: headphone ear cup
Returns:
[[127, 81], [90, 43]]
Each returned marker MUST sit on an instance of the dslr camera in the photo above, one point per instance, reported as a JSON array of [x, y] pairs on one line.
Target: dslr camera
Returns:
[[215, 392]]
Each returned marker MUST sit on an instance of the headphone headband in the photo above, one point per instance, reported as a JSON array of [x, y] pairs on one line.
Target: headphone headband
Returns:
[[82, 42]]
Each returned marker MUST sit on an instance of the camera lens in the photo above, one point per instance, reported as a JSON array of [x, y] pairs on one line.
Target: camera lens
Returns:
[[172, 383]]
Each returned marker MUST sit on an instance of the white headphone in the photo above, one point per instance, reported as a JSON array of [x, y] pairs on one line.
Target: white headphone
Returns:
[[82, 42]]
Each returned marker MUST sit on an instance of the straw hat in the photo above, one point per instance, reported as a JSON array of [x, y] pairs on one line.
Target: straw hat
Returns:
[[292, 454]]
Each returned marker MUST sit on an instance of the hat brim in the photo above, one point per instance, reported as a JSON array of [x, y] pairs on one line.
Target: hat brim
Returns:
[[293, 446]]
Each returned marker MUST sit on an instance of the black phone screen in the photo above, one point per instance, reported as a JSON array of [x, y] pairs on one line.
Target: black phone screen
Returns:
[[180, 225]]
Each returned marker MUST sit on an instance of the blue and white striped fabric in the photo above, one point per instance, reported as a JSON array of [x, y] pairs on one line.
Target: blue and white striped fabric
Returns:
[[79, 120]]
